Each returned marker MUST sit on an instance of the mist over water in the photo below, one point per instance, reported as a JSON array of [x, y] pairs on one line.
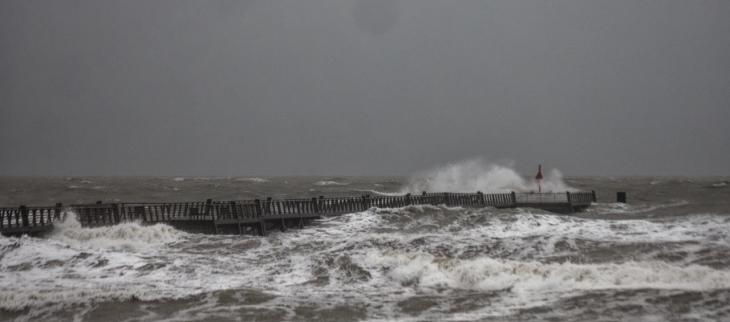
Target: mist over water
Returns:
[[663, 256]]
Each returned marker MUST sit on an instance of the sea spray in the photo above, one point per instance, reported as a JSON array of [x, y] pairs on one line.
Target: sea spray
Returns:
[[123, 236], [478, 175]]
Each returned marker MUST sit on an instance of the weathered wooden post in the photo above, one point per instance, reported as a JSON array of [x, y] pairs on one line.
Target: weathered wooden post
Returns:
[[593, 194], [57, 211], [315, 209], [206, 210], [513, 197], [257, 204], [24, 215], [115, 213], [570, 202], [94, 210], [259, 212], [139, 213], [621, 197], [408, 199], [233, 212], [480, 198], [267, 206]]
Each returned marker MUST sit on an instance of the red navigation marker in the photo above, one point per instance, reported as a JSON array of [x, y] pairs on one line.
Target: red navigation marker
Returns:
[[538, 177]]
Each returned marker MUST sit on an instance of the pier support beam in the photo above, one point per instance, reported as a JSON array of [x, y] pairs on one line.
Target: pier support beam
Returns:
[[262, 228], [24, 215]]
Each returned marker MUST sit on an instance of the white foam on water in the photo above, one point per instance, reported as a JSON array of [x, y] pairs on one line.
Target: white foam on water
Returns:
[[478, 175], [624, 208], [253, 179], [526, 223], [383, 193], [330, 183], [490, 274], [701, 227], [78, 265], [130, 236], [526, 283]]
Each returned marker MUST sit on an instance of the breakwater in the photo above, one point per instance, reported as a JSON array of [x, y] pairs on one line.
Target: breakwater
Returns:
[[257, 216]]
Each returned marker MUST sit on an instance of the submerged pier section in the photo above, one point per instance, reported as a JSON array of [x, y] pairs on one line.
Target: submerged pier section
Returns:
[[260, 215]]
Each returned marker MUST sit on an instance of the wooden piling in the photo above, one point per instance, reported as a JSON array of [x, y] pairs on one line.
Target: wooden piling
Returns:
[[24, 215]]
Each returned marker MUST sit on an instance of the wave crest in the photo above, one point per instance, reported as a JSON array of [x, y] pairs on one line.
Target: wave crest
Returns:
[[478, 175], [330, 183], [488, 274], [123, 236]]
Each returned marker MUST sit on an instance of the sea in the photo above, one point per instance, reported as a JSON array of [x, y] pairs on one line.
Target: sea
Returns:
[[662, 256]]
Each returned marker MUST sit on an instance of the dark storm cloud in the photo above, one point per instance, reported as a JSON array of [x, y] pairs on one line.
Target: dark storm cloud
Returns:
[[362, 87]]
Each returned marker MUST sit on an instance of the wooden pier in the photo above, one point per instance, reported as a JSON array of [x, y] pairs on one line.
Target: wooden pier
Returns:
[[260, 215]]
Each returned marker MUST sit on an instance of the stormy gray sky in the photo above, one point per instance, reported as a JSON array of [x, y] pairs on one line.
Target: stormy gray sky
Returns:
[[363, 86]]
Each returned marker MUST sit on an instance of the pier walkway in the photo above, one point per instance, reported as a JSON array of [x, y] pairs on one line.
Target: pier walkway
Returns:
[[260, 215]]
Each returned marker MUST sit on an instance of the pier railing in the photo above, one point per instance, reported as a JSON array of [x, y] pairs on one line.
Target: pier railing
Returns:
[[32, 219]]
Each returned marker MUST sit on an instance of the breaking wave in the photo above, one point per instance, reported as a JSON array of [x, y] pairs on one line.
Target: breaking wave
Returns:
[[427, 259], [624, 208], [76, 265], [477, 175], [129, 236], [525, 277]]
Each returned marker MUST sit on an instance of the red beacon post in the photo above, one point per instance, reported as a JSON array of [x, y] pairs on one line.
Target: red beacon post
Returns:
[[538, 178]]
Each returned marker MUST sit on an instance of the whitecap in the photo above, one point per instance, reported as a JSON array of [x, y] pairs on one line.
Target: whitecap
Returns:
[[719, 185], [530, 277], [330, 183], [252, 179]]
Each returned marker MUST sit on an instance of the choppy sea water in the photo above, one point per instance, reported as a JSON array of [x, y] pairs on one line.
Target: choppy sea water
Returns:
[[663, 257]]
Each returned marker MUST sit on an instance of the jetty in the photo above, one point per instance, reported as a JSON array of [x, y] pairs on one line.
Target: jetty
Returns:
[[257, 216]]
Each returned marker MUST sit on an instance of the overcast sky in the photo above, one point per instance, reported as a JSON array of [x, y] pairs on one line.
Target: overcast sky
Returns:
[[268, 87]]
